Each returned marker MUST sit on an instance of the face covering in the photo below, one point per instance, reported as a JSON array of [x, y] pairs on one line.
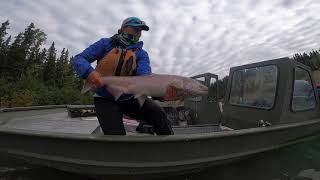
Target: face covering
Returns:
[[128, 39]]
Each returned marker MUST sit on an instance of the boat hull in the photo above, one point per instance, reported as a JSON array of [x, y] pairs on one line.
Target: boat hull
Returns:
[[148, 156]]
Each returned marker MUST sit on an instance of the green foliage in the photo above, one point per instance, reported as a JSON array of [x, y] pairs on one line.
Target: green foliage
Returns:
[[34, 76], [312, 59]]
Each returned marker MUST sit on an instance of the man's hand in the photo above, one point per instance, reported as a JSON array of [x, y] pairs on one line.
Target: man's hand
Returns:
[[94, 78], [172, 94]]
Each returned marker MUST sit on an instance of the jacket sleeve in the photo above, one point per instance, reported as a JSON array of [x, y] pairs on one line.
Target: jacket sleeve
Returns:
[[92, 53], [143, 63]]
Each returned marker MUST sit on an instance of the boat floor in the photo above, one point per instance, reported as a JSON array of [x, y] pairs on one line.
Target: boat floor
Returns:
[[57, 120]]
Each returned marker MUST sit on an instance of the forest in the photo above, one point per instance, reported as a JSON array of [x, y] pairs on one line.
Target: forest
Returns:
[[32, 75]]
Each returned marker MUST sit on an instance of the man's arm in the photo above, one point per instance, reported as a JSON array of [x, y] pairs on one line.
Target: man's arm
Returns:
[[144, 68], [143, 63], [93, 52]]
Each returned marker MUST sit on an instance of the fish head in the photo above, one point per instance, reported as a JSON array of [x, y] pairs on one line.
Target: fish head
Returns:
[[194, 88]]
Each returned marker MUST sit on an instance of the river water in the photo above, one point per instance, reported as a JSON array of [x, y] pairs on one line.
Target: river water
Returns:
[[298, 162], [295, 162]]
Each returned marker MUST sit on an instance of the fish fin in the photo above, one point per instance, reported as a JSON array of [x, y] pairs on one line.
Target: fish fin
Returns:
[[141, 99], [86, 87], [115, 91]]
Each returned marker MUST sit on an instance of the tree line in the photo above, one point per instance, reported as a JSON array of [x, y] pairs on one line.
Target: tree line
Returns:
[[312, 59], [33, 75]]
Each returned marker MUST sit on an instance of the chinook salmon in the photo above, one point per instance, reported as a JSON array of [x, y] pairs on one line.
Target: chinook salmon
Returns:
[[155, 85]]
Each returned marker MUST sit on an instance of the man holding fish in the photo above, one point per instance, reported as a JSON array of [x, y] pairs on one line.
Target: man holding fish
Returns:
[[122, 80]]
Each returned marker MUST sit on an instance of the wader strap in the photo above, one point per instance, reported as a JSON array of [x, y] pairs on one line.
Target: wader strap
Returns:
[[120, 63], [128, 66]]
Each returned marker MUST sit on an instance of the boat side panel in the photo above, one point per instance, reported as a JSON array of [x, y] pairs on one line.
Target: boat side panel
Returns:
[[101, 157]]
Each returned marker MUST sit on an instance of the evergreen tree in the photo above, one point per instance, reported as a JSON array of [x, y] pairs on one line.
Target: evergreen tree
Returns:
[[75, 80], [66, 57], [39, 39], [28, 37], [315, 59], [3, 46], [3, 31], [6, 43], [33, 39], [50, 66], [61, 70], [66, 60], [4, 57], [15, 60], [41, 58], [66, 67]]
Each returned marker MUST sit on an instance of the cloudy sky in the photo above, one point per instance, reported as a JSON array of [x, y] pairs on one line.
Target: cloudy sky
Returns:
[[186, 37]]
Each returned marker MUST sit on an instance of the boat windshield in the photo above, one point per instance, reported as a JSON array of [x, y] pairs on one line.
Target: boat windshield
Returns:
[[254, 87]]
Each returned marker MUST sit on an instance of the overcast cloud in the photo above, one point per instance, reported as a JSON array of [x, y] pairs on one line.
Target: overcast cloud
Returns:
[[186, 37]]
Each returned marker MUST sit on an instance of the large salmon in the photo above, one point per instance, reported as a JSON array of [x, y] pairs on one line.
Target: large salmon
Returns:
[[155, 85]]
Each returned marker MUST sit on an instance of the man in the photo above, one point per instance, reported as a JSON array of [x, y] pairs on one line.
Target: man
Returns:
[[125, 56]]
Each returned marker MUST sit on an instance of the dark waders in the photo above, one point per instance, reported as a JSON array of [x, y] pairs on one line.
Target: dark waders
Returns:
[[110, 114]]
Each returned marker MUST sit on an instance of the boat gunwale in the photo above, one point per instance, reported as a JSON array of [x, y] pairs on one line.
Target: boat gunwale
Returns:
[[28, 108], [156, 138]]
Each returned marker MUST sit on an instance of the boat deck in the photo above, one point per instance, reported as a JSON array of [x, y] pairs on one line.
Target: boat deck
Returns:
[[57, 120]]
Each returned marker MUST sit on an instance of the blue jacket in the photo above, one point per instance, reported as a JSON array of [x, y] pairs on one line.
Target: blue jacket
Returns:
[[97, 51]]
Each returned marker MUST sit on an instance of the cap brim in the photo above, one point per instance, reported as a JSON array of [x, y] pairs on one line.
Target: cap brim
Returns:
[[143, 27]]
